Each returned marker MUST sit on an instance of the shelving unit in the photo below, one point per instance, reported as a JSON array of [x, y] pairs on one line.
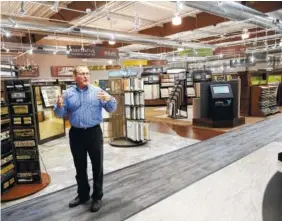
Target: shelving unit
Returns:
[[23, 131], [127, 124], [263, 102], [8, 173], [177, 102]]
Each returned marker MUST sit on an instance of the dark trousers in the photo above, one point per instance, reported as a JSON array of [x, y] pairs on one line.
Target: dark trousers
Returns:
[[83, 141]]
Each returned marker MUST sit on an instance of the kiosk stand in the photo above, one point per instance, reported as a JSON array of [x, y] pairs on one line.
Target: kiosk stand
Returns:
[[221, 103]]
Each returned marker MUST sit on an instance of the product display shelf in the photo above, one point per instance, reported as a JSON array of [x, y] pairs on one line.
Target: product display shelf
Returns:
[[177, 102], [263, 101], [127, 124], [8, 174], [151, 81], [23, 131]]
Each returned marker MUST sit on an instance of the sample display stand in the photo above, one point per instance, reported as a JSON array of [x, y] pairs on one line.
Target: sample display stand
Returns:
[[8, 173], [19, 94], [28, 174], [177, 102], [127, 124]]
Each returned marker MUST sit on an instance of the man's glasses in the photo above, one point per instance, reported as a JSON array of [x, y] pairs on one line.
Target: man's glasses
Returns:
[[83, 74]]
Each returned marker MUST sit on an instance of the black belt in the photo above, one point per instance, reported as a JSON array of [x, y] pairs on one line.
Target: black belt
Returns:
[[85, 128]]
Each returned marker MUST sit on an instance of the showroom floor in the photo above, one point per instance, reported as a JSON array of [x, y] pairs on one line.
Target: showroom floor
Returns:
[[208, 181]]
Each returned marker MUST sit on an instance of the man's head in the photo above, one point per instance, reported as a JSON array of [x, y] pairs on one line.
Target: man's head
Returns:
[[81, 75]]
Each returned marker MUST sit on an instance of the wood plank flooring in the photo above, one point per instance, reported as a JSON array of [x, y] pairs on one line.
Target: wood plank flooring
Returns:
[[134, 188]]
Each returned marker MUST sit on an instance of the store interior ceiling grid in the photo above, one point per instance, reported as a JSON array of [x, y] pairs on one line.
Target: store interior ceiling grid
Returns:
[[120, 16]]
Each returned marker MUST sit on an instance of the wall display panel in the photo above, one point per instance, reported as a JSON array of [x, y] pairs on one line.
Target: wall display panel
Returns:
[[49, 126]]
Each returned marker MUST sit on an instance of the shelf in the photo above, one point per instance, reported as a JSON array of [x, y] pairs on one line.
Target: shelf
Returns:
[[129, 105], [150, 83], [135, 119], [7, 162], [134, 91], [28, 160], [22, 103], [22, 115], [6, 154]]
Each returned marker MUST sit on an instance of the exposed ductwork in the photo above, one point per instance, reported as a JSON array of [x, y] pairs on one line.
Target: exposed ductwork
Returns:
[[65, 30], [238, 12]]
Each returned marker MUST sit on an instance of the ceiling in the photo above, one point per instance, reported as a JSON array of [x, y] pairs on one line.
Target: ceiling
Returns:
[[150, 18]]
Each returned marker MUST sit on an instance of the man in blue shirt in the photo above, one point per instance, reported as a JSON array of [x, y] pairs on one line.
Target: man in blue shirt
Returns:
[[83, 104]]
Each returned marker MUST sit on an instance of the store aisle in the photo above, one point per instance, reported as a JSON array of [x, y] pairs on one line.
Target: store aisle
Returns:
[[57, 160], [249, 189], [130, 190]]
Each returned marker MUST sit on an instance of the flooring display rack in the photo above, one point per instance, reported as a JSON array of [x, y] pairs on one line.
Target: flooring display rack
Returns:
[[177, 102], [8, 172], [23, 131], [127, 125]]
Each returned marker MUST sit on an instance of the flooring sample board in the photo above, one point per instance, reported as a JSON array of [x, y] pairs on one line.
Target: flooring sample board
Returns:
[[132, 189]]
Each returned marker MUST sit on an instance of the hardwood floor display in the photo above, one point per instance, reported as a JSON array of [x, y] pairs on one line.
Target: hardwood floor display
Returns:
[[132, 189]]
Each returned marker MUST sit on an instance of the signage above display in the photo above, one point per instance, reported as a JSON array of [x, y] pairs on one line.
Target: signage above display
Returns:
[[245, 62], [62, 71], [238, 49], [156, 62], [131, 63], [104, 67], [93, 52], [28, 71], [120, 73], [197, 52]]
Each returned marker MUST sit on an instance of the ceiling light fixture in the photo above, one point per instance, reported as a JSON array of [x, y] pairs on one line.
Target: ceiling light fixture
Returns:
[[176, 20], [7, 34], [180, 49], [245, 34], [111, 42], [110, 61], [13, 22]]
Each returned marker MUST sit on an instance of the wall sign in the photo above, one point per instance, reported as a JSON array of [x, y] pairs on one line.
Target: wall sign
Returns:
[[93, 52], [28, 71], [238, 49], [62, 71], [156, 62], [130, 63], [245, 62], [198, 52]]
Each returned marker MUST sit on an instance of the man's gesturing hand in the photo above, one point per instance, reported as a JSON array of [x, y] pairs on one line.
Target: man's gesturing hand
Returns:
[[103, 96], [60, 101]]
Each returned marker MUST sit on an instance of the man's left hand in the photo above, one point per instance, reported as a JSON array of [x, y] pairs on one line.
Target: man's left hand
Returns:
[[102, 95]]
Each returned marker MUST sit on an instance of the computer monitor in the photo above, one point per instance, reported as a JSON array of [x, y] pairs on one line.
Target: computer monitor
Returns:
[[218, 89]]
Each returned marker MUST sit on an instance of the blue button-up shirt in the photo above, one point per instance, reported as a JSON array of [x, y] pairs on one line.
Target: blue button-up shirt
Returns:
[[83, 107]]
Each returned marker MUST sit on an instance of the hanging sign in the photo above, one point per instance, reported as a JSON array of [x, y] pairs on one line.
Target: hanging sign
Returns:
[[245, 62], [238, 49], [93, 52], [156, 62], [104, 67], [130, 63], [197, 52], [28, 71], [62, 71]]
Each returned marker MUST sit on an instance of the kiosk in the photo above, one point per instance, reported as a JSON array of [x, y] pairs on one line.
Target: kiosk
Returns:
[[221, 102]]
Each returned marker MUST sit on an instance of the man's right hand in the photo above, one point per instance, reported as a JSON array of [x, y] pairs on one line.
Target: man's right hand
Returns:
[[60, 101]]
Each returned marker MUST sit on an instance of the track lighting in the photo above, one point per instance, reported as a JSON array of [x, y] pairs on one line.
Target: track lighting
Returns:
[[22, 11], [176, 20], [55, 6]]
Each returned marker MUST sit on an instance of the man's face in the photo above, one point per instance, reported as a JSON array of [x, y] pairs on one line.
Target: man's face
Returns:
[[82, 76]]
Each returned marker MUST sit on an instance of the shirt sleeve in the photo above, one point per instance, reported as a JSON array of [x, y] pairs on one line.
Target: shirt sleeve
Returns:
[[111, 105], [61, 112]]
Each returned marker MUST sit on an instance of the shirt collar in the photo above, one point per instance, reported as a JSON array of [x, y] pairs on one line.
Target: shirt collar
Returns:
[[84, 89]]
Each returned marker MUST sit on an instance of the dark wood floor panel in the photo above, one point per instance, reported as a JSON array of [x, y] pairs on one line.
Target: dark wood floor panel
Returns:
[[134, 188]]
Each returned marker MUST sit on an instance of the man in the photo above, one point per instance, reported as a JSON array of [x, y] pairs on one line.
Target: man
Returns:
[[83, 104]]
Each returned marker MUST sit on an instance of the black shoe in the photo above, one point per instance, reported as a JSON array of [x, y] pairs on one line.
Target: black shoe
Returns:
[[96, 205], [75, 202]]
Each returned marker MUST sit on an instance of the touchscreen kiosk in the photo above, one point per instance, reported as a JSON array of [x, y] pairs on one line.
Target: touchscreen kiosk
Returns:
[[221, 102]]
